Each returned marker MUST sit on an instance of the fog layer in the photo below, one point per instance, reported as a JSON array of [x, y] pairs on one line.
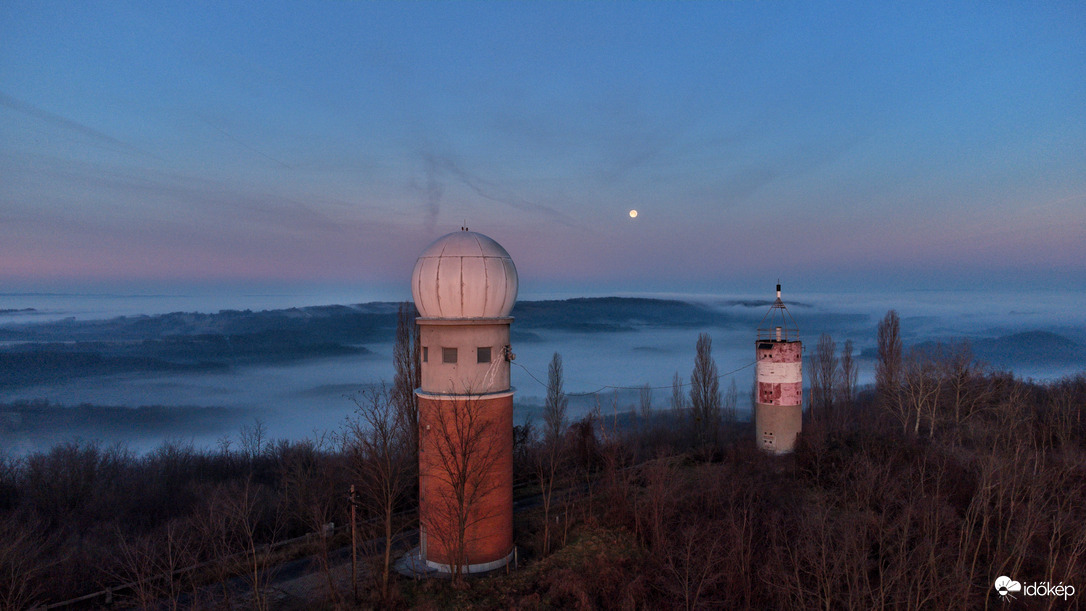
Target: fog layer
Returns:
[[295, 370]]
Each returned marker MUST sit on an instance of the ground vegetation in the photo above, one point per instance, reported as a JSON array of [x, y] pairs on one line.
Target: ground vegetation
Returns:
[[917, 492]]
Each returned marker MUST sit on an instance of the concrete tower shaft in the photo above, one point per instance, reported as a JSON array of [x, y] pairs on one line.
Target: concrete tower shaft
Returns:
[[778, 409], [778, 412], [464, 286]]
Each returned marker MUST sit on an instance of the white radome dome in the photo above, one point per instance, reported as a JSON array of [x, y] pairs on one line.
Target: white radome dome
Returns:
[[464, 275]]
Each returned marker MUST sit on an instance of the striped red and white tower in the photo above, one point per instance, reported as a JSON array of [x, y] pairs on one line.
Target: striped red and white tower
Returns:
[[464, 286], [778, 409]]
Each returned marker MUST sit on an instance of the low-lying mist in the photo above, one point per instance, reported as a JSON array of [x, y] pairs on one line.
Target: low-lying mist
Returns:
[[302, 385]]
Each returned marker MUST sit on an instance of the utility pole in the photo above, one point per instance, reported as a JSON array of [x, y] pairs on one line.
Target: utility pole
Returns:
[[354, 543]]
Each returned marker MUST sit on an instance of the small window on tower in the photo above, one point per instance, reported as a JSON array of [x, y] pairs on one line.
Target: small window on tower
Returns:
[[448, 355], [484, 354], [425, 354]]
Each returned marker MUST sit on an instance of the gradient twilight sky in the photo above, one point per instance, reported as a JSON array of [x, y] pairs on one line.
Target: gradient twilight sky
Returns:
[[827, 143]]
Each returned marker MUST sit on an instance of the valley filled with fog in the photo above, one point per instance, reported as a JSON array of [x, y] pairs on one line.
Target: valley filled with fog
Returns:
[[141, 379]]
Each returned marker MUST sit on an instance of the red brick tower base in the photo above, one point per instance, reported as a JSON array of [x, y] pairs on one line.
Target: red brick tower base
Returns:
[[466, 480]]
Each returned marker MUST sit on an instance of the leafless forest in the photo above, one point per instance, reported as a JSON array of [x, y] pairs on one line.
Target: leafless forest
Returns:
[[916, 493]]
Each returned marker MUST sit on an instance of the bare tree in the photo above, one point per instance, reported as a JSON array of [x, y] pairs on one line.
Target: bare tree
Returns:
[[847, 379], [255, 520], [22, 562], [824, 361], [254, 441], [460, 455], [753, 393], [379, 450], [220, 542], [814, 377], [922, 383], [311, 496], [549, 463], [585, 452], [660, 501], [554, 411], [705, 401], [645, 403], [1064, 410], [235, 523], [405, 360], [154, 565], [966, 388], [525, 440], [693, 564], [678, 400], [731, 401], [888, 367], [823, 556], [616, 454], [550, 456]]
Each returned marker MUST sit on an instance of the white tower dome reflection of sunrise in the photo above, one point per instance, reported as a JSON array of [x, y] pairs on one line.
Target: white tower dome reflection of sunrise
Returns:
[[464, 275]]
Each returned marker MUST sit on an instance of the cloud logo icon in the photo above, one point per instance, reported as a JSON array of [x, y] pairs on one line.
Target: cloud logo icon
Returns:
[[1005, 585]]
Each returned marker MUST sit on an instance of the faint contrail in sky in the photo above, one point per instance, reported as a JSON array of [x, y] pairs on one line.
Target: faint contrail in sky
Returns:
[[63, 122], [434, 189], [489, 190], [245, 146]]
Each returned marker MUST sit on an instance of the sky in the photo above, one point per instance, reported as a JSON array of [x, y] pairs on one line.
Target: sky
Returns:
[[919, 144]]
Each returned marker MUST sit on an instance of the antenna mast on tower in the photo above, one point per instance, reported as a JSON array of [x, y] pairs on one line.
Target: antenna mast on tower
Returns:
[[778, 324]]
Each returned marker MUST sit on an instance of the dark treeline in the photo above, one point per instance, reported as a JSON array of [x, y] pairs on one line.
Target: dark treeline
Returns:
[[918, 492], [82, 517]]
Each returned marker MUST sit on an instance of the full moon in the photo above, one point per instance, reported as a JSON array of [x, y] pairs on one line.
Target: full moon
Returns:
[[633, 214]]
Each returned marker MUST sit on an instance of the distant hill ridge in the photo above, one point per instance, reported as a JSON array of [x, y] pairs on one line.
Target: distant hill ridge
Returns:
[[374, 321], [51, 352], [1036, 347]]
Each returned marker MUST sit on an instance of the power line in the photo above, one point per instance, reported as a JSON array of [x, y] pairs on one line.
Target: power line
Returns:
[[611, 387]]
